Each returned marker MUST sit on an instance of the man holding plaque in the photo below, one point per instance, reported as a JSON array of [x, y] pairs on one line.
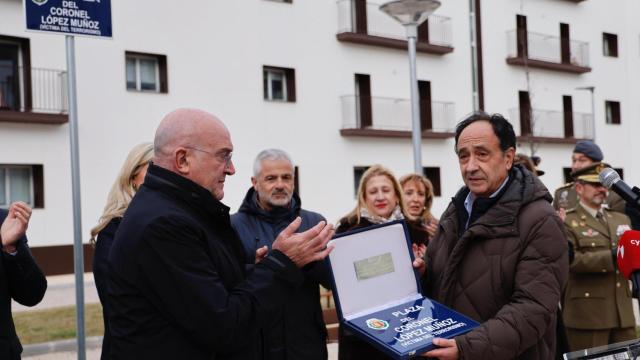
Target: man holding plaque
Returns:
[[500, 255]]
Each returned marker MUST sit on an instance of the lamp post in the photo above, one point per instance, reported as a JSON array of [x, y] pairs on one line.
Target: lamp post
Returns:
[[591, 89], [412, 13]]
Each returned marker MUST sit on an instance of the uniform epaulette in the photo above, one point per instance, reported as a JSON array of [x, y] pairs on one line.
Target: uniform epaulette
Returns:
[[567, 185], [568, 211]]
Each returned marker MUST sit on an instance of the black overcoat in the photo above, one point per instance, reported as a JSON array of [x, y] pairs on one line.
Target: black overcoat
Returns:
[[22, 280], [296, 330], [177, 287]]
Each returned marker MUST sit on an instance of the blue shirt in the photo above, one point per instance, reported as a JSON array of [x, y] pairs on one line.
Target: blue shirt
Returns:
[[468, 201]]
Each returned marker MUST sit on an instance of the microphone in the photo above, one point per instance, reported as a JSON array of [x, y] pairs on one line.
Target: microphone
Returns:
[[629, 258], [611, 179]]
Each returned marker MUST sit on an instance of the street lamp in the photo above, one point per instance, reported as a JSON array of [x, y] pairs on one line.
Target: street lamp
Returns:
[[591, 89], [412, 13]]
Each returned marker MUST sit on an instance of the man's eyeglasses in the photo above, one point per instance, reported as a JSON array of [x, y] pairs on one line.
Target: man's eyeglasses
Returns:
[[223, 157]]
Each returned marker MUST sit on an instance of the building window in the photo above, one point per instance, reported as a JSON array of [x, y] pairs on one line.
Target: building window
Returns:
[[610, 44], [525, 113], [15, 74], [424, 94], [146, 72], [279, 83], [567, 110], [359, 16], [612, 109], [21, 183], [521, 36], [433, 174], [358, 171], [565, 44], [363, 101]]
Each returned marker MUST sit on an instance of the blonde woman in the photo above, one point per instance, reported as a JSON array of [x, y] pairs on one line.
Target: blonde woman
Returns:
[[379, 201], [418, 196], [129, 180]]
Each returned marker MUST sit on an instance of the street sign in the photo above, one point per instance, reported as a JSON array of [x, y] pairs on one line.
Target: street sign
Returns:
[[72, 17]]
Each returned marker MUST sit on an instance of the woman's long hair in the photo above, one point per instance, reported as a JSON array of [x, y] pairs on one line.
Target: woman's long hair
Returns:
[[122, 190], [428, 186], [353, 216]]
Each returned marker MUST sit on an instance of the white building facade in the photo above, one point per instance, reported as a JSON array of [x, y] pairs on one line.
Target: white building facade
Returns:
[[325, 80]]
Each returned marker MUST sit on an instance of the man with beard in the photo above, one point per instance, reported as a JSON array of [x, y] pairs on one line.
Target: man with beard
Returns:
[[597, 302], [585, 153], [296, 330]]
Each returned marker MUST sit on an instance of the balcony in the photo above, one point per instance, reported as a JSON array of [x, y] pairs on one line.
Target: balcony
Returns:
[[550, 126], [391, 117], [362, 22], [547, 52], [33, 95]]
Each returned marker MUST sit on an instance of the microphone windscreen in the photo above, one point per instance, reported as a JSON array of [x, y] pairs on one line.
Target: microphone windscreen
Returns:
[[608, 177], [629, 252]]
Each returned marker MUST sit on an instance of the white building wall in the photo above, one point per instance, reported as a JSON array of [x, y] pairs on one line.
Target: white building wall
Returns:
[[215, 52], [613, 78]]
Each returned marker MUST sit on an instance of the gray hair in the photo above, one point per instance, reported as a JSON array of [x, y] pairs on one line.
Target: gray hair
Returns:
[[270, 155]]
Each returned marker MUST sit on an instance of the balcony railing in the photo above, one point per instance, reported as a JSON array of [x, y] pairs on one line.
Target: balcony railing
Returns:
[[25, 92], [365, 23], [394, 115], [546, 51], [550, 124]]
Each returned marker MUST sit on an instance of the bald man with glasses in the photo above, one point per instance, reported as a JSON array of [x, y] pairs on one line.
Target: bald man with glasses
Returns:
[[178, 286]]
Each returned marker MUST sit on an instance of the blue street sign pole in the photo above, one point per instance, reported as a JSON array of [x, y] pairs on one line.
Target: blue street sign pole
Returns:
[[72, 17], [78, 259]]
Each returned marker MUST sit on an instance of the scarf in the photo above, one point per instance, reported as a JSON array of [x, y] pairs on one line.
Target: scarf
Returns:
[[396, 214]]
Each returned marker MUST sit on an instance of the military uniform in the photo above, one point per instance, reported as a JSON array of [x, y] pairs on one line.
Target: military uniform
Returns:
[[566, 197], [597, 301]]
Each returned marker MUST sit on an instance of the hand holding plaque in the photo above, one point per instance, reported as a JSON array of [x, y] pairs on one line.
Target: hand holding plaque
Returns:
[[378, 296]]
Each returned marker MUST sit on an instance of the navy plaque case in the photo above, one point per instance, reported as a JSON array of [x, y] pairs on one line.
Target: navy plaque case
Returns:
[[378, 293]]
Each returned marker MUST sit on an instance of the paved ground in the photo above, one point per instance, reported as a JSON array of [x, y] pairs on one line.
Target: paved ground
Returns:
[[61, 291], [94, 354]]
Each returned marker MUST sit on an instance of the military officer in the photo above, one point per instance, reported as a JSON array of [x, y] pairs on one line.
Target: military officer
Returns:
[[597, 300], [584, 154]]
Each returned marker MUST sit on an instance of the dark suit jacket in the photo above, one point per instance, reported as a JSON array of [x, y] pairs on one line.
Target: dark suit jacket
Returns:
[[177, 287], [22, 280], [296, 330], [100, 276]]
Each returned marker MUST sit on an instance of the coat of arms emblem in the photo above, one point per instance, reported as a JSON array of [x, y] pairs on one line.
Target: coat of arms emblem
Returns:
[[377, 324]]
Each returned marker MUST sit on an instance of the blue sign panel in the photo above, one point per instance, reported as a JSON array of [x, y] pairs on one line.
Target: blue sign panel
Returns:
[[73, 17], [408, 330]]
